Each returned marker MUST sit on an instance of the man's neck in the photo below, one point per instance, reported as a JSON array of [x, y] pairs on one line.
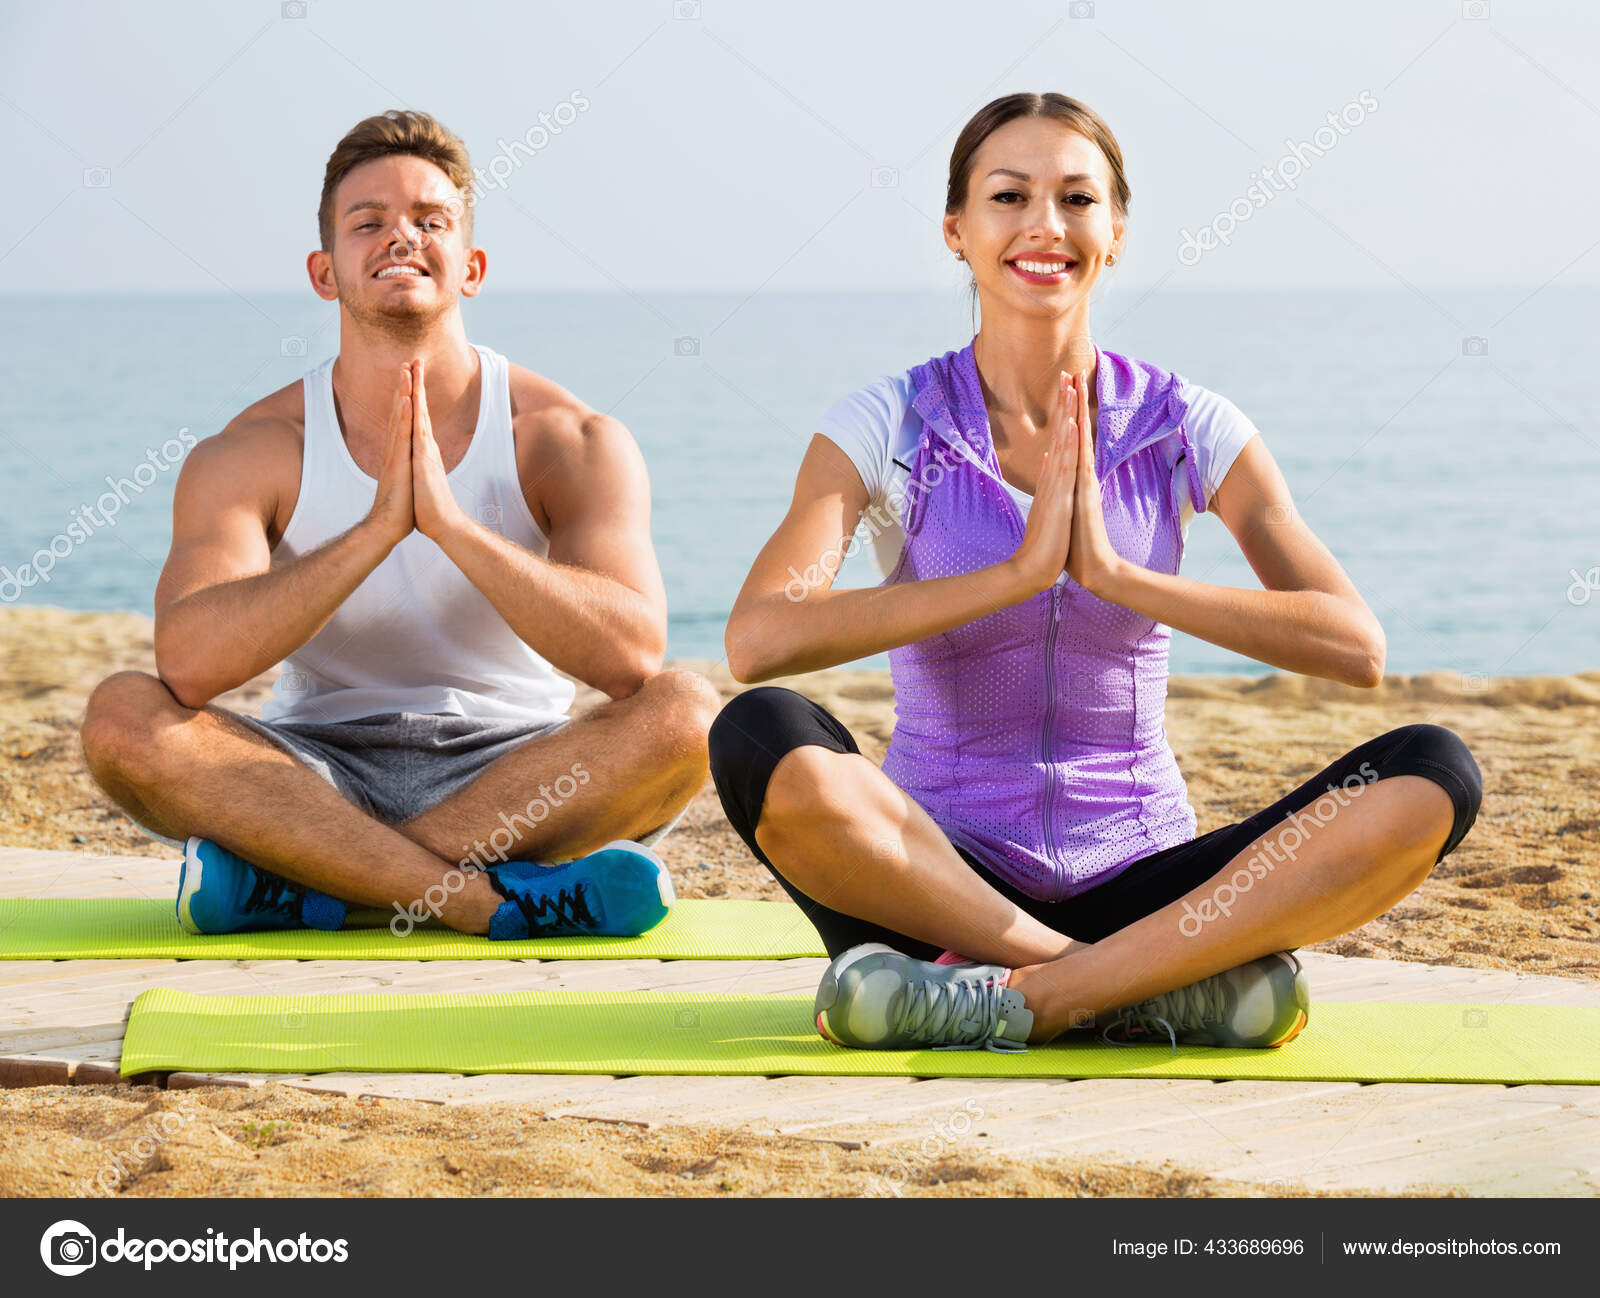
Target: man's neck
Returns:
[[367, 373]]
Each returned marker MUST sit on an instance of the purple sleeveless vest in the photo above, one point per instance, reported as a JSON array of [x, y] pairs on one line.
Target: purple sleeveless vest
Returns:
[[1034, 736]]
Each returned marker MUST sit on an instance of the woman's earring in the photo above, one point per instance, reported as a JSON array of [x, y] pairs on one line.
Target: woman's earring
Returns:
[[1111, 259], [960, 255]]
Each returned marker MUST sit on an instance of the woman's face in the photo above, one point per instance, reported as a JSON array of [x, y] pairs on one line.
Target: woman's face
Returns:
[[1038, 222]]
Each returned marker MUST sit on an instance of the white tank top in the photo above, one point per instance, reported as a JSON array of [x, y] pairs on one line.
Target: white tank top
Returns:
[[416, 635]]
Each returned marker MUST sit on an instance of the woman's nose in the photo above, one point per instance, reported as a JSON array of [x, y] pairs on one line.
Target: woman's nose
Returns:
[[1046, 221]]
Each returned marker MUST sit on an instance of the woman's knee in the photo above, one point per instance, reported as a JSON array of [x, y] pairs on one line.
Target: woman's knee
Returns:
[[752, 734], [1441, 755], [745, 725]]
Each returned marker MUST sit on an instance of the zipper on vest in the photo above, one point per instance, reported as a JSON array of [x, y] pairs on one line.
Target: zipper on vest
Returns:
[[1049, 721]]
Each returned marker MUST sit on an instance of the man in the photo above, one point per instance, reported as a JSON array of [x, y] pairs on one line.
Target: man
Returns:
[[422, 533]]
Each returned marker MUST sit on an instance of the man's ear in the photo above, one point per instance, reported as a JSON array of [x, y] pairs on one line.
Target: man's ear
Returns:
[[477, 266], [319, 266]]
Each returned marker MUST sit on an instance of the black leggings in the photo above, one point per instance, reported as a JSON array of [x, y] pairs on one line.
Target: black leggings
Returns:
[[756, 729]]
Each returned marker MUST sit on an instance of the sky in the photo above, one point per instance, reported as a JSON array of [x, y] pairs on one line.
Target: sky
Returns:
[[707, 145]]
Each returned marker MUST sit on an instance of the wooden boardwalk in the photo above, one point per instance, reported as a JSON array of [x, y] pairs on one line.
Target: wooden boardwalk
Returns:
[[62, 1021]]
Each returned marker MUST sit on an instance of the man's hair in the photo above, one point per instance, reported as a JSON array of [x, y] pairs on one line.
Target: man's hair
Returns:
[[398, 131]]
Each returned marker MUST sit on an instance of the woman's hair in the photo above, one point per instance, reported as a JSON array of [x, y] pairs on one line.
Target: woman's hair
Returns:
[[399, 131], [995, 114]]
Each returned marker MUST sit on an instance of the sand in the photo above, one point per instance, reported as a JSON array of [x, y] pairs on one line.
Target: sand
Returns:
[[1521, 893], [277, 1142]]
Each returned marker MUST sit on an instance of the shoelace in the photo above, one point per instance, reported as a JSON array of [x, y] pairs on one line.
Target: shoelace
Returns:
[[937, 1009], [1191, 1007], [270, 891], [571, 907]]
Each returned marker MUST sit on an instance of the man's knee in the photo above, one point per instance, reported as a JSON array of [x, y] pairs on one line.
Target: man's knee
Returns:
[[122, 721], [681, 706]]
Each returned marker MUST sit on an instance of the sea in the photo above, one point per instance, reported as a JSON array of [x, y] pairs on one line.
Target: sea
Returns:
[[1443, 442]]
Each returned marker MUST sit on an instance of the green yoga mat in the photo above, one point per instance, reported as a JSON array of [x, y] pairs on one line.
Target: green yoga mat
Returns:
[[657, 1032], [105, 928]]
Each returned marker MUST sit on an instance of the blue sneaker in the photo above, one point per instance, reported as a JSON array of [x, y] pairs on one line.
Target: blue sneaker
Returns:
[[219, 892], [620, 891]]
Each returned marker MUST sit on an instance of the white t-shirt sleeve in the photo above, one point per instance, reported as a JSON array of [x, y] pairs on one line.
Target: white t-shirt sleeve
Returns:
[[876, 426], [866, 426], [1217, 430]]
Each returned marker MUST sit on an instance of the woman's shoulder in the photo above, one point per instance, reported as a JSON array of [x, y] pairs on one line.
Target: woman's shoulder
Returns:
[[1218, 431], [1213, 415], [874, 425], [880, 405]]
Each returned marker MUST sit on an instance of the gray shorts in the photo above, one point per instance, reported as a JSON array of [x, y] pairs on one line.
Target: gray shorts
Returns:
[[396, 765]]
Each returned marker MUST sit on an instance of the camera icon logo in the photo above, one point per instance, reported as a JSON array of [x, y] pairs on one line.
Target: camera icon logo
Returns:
[[1279, 513], [1081, 9], [489, 515], [686, 1019], [294, 682], [68, 1248], [292, 346], [1474, 346], [884, 177], [686, 346], [1471, 1018], [96, 178], [1477, 10], [292, 9], [686, 10]]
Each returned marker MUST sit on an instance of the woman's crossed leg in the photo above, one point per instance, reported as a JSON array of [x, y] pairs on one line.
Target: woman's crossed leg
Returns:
[[869, 865]]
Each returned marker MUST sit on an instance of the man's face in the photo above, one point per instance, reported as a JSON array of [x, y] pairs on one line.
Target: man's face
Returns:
[[400, 255]]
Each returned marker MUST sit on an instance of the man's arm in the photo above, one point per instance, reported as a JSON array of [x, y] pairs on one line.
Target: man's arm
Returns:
[[595, 607], [223, 613]]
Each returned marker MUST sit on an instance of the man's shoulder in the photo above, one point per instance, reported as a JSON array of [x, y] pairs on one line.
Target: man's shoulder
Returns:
[[565, 447], [256, 456], [541, 406], [554, 427], [274, 424]]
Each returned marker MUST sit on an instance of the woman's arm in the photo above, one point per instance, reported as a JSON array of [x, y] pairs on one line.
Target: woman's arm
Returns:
[[1309, 618], [788, 619]]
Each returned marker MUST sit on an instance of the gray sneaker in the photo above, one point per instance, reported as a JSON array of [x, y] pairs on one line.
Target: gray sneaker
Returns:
[[1258, 1005], [874, 998]]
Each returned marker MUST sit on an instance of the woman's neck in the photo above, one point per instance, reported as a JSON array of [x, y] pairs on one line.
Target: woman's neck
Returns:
[[1020, 360]]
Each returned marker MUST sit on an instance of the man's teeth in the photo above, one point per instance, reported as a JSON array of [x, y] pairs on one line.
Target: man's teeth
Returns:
[[398, 270], [1043, 267]]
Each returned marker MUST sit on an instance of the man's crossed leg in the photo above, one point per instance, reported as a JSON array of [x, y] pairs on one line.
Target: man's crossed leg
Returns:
[[181, 771]]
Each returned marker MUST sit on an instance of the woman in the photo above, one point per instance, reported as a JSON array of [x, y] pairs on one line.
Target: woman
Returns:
[[1029, 497]]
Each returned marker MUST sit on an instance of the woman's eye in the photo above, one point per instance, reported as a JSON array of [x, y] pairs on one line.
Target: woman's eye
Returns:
[[367, 225], [1005, 194], [1080, 200]]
